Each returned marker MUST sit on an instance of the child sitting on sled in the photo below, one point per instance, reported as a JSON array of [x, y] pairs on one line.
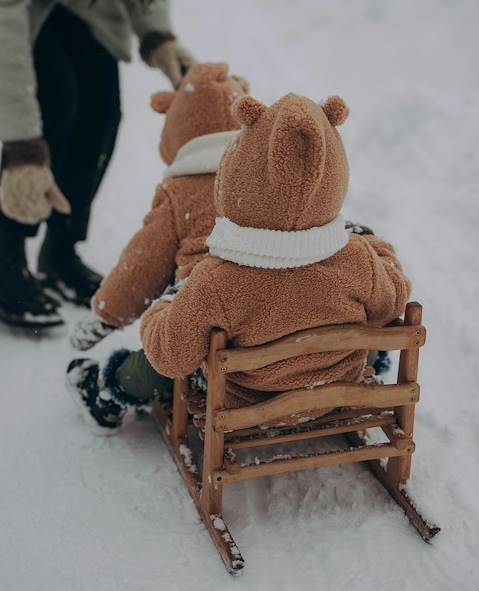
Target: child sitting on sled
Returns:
[[198, 127], [280, 259]]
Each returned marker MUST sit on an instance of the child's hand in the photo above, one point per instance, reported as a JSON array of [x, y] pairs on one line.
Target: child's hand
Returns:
[[355, 228], [87, 333]]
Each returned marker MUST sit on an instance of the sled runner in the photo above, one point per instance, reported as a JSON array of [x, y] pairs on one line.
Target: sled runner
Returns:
[[298, 416]]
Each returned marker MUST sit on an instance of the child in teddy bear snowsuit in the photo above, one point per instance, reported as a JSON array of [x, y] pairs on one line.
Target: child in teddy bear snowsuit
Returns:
[[280, 258], [198, 127]]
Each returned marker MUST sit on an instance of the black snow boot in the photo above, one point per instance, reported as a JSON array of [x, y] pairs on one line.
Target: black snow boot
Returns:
[[382, 363], [23, 301], [62, 269], [97, 403]]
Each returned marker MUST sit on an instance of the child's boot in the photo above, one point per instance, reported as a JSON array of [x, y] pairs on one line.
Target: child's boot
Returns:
[[95, 394], [127, 380]]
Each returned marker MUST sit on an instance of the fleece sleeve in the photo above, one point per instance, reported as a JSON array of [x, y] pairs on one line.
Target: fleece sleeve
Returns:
[[145, 268], [149, 16], [176, 335], [390, 287], [19, 111]]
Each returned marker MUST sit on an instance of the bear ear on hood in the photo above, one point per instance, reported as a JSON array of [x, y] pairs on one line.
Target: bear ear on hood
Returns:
[[336, 110], [161, 101], [245, 85], [247, 110], [297, 149], [206, 73]]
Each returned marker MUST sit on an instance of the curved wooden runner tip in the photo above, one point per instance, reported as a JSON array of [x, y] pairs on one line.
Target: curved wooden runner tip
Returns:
[[425, 529], [225, 544]]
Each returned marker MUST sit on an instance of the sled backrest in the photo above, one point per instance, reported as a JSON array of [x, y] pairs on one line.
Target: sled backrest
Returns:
[[407, 336], [398, 398]]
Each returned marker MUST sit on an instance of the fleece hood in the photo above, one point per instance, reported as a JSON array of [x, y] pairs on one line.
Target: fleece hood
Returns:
[[281, 184], [288, 169], [201, 106]]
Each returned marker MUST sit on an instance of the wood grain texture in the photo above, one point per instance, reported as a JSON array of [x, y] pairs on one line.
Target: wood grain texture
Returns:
[[212, 493], [300, 401], [312, 462], [321, 340], [399, 469]]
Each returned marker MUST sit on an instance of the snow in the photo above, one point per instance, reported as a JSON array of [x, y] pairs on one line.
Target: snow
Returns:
[[80, 512], [218, 523], [187, 455]]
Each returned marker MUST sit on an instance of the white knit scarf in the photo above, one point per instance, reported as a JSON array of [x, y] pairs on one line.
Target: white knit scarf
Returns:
[[201, 155], [276, 249]]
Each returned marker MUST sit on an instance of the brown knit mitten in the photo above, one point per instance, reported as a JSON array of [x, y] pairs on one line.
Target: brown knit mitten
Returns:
[[162, 50], [28, 191]]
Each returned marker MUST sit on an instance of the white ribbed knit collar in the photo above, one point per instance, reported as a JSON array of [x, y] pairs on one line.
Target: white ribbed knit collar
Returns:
[[276, 249], [201, 155]]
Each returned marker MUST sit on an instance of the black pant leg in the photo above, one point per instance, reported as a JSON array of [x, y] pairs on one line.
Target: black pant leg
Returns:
[[57, 90], [138, 382], [93, 133]]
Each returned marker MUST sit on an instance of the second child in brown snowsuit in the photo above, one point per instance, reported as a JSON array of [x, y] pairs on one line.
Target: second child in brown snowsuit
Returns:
[[197, 129]]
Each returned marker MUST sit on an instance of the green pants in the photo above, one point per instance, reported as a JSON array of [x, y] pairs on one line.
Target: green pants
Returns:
[[140, 382]]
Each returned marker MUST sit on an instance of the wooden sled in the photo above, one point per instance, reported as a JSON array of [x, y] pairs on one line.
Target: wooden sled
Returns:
[[298, 416]]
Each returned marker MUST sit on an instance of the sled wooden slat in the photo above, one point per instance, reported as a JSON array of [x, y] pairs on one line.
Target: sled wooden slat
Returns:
[[335, 428], [196, 409], [322, 340], [323, 420], [282, 429], [340, 394], [350, 413], [199, 422], [396, 435], [311, 462], [278, 424]]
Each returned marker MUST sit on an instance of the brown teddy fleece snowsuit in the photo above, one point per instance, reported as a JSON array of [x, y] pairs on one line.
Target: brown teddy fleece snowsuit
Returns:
[[282, 261], [198, 127]]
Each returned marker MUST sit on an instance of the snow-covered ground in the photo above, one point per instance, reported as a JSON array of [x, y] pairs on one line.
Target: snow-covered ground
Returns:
[[80, 513]]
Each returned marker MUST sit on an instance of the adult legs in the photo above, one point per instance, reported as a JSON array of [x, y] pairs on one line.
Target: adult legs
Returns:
[[80, 162], [22, 299]]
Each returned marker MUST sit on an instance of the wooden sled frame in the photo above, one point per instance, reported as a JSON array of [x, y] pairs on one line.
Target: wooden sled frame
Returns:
[[358, 408]]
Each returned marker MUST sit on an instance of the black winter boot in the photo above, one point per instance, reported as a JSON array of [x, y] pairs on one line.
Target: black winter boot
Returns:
[[102, 411], [62, 269], [23, 301], [383, 363]]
